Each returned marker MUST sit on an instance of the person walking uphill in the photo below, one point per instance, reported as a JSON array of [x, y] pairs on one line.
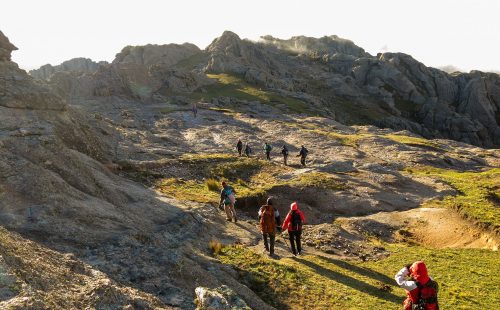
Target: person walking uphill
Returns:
[[421, 290], [293, 223], [228, 198], [267, 150], [284, 151], [269, 220], [248, 150], [239, 146], [303, 154]]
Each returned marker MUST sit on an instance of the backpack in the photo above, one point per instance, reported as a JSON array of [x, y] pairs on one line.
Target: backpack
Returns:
[[267, 220], [427, 296], [269, 148], [296, 221]]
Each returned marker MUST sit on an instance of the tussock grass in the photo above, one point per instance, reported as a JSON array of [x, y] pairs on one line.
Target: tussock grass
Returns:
[[215, 247], [212, 185], [316, 282], [478, 198], [318, 179]]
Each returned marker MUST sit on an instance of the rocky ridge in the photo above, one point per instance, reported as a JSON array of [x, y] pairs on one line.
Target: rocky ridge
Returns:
[[330, 74]]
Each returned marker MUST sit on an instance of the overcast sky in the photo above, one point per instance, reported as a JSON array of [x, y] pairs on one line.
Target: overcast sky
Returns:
[[462, 33]]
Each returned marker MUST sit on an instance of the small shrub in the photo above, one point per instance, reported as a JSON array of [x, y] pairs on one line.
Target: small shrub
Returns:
[[215, 246], [212, 185]]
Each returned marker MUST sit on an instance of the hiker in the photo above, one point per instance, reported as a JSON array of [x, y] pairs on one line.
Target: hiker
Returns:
[[248, 150], [239, 146], [270, 220], [421, 290], [228, 198], [303, 154], [293, 223], [195, 109], [267, 150], [284, 151]]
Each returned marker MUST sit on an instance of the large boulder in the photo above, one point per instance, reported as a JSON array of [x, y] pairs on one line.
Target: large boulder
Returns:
[[221, 298]]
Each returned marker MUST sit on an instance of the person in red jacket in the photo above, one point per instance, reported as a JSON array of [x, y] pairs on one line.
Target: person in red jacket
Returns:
[[293, 223], [421, 289]]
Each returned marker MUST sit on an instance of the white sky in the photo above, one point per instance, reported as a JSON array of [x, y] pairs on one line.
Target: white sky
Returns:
[[463, 33]]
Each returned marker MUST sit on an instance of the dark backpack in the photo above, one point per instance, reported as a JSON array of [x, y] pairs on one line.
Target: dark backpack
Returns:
[[296, 221], [427, 296]]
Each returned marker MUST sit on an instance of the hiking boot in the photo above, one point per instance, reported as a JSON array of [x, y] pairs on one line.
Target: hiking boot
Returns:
[[235, 219]]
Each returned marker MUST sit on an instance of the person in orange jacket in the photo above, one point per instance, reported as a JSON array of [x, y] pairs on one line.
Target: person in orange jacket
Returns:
[[293, 223], [421, 290]]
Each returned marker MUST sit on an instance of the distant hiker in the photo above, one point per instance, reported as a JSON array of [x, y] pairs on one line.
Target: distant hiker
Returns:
[[239, 146], [293, 223], [284, 151], [267, 150], [248, 150], [269, 219], [195, 109], [420, 288], [228, 198], [303, 154]]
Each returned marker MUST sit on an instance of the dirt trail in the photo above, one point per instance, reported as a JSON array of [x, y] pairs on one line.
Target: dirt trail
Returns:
[[433, 227]]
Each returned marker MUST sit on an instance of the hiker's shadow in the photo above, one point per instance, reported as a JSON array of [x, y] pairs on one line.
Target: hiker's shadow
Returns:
[[360, 270], [352, 282]]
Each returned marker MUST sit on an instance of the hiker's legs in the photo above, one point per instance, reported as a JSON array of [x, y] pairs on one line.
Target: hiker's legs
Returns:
[[233, 212], [267, 155], [271, 241], [239, 152], [227, 208], [292, 243], [266, 245], [303, 161], [285, 158], [297, 239]]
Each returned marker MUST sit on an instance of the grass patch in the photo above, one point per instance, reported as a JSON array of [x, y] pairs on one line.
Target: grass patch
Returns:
[[414, 141], [215, 247], [478, 198], [234, 86], [316, 282], [319, 180], [212, 185], [186, 190]]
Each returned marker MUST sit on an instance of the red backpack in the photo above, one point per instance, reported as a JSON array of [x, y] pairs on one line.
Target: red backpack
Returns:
[[427, 296]]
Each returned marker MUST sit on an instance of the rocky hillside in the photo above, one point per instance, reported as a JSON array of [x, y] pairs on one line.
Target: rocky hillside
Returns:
[[329, 76], [108, 186]]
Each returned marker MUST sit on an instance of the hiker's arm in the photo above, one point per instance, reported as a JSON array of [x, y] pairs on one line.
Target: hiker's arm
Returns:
[[303, 217], [285, 223], [402, 282], [277, 217]]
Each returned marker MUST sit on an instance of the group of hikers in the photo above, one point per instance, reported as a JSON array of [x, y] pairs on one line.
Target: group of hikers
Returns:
[[267, 150], [421, 289]]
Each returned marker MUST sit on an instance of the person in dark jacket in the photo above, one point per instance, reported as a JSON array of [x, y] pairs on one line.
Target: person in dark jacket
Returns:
[[267, 150], [303, 154], [293, 223], [239, 146], [269, 220], [284, 151], [248, 150]]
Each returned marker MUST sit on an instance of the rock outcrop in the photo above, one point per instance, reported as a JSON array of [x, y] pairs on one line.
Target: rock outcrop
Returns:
[[5, 47], [221, 298], [75, 65], [330, 74]]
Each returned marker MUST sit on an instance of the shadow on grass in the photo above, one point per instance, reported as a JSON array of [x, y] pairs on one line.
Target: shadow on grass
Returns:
[[360, 270], [353, 283]]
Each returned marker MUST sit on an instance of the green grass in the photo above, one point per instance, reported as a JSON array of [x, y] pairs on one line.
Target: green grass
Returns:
[[478, 197], [227, 85], [250, 177], [415, 141], [316, 282]]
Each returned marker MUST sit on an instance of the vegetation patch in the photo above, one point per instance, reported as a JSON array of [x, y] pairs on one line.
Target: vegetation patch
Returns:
[[319, 180], [317, 282], [235, 87], [478, 198], [415, 141]]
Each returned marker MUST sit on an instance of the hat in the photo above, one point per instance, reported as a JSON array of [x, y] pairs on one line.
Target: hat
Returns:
[[269, 201], [294, 206]]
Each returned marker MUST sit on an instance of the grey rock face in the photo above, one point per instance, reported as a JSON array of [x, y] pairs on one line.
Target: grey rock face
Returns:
[[5, 47], [77, 65], [221, 298], [150, 54]]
